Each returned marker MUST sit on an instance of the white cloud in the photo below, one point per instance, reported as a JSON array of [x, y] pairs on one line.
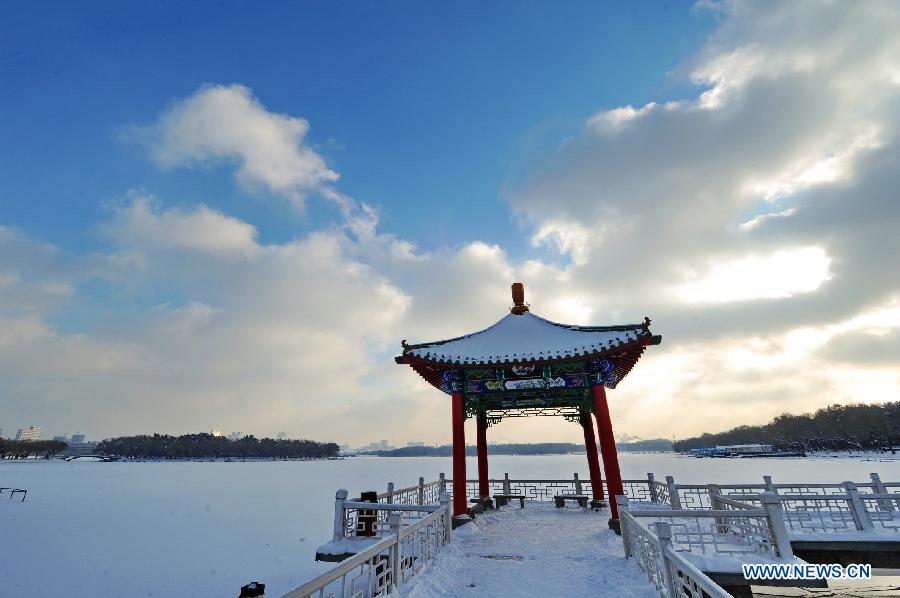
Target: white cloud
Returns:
[[226, 123], [763, 218], [566, 238], [612, 120], [141, 223]]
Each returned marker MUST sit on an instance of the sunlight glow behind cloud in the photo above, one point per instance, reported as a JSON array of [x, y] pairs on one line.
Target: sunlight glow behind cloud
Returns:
[[782, 274]]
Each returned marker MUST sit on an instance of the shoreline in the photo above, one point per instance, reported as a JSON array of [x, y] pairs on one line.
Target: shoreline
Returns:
[[874, 457]]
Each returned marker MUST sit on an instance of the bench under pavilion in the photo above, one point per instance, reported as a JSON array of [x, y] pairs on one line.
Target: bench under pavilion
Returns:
[[525, 365]]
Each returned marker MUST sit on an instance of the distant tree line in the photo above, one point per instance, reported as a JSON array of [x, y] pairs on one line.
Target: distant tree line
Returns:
[[654, 445], [207, 446], [23, 449], [837, 427], [539, 448]]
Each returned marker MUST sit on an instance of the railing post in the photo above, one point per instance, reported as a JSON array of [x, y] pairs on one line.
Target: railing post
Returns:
[[770, 487], [775, 517], [390, 492], [664, 533], [884, 504], [506, 486], [394, 522], [421, 496], [651, 483], [340, 497], [858, 508], [444, 499], [442, 480], [577, 484], [715, 491], [622, 503], [674, 499]]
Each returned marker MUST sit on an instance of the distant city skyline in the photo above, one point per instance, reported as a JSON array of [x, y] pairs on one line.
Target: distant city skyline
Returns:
[[359, 444]]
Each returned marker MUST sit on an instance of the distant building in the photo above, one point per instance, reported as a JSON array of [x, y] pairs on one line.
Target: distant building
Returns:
[[31, 433], [235, 436], [77, 439], [62, 438], [280, 436], [411, 444], [215, 432], [381, 445], [745, 449], [80, 448]]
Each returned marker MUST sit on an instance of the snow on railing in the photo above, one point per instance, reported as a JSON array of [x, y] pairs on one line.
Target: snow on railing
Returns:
[[384, 567], [545, 489], [808, 507], [848, 511], [421, 494], [732, 528], [668, 570], [355, 518]]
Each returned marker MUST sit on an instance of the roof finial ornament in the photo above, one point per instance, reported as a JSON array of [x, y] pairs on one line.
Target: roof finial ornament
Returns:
[[646, 324], [518, 297]]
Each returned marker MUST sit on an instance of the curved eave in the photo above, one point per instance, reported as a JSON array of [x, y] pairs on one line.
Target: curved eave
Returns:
[[626, 356]]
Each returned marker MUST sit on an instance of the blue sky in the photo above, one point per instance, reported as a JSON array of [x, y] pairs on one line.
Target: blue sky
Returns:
[[427, 110], [187, 239]]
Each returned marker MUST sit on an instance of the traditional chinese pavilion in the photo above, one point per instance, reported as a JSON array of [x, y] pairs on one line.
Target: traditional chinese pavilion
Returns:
[[525, 365]]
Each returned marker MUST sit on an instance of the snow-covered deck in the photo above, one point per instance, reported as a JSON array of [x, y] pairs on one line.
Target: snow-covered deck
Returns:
[[536, 551]]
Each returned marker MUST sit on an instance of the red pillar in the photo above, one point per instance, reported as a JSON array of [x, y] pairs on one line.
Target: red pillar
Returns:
[[483, 489], [607, 448], [590, 445], [460, 502]]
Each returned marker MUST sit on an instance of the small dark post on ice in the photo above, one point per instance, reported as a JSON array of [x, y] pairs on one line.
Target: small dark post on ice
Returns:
[[253, 590], [525, 365]]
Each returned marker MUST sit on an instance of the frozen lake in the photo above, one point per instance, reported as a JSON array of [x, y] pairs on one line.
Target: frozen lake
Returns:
[[205, 529]]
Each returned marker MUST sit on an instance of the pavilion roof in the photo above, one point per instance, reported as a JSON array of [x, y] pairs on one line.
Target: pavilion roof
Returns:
[[526, 337]]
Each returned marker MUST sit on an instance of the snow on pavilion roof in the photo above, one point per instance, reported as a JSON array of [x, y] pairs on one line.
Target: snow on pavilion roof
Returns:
[[526, 337]]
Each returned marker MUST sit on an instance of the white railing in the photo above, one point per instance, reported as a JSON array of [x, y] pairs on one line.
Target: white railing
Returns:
[[402, 551], [533, 489], [424, 493], [355, 518], [732, 528], [668, 570], [832, 513], [648, 490], [808, 508]]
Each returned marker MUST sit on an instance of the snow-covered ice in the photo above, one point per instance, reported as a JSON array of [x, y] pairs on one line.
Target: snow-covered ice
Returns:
[[142, 529], [536, 551]]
